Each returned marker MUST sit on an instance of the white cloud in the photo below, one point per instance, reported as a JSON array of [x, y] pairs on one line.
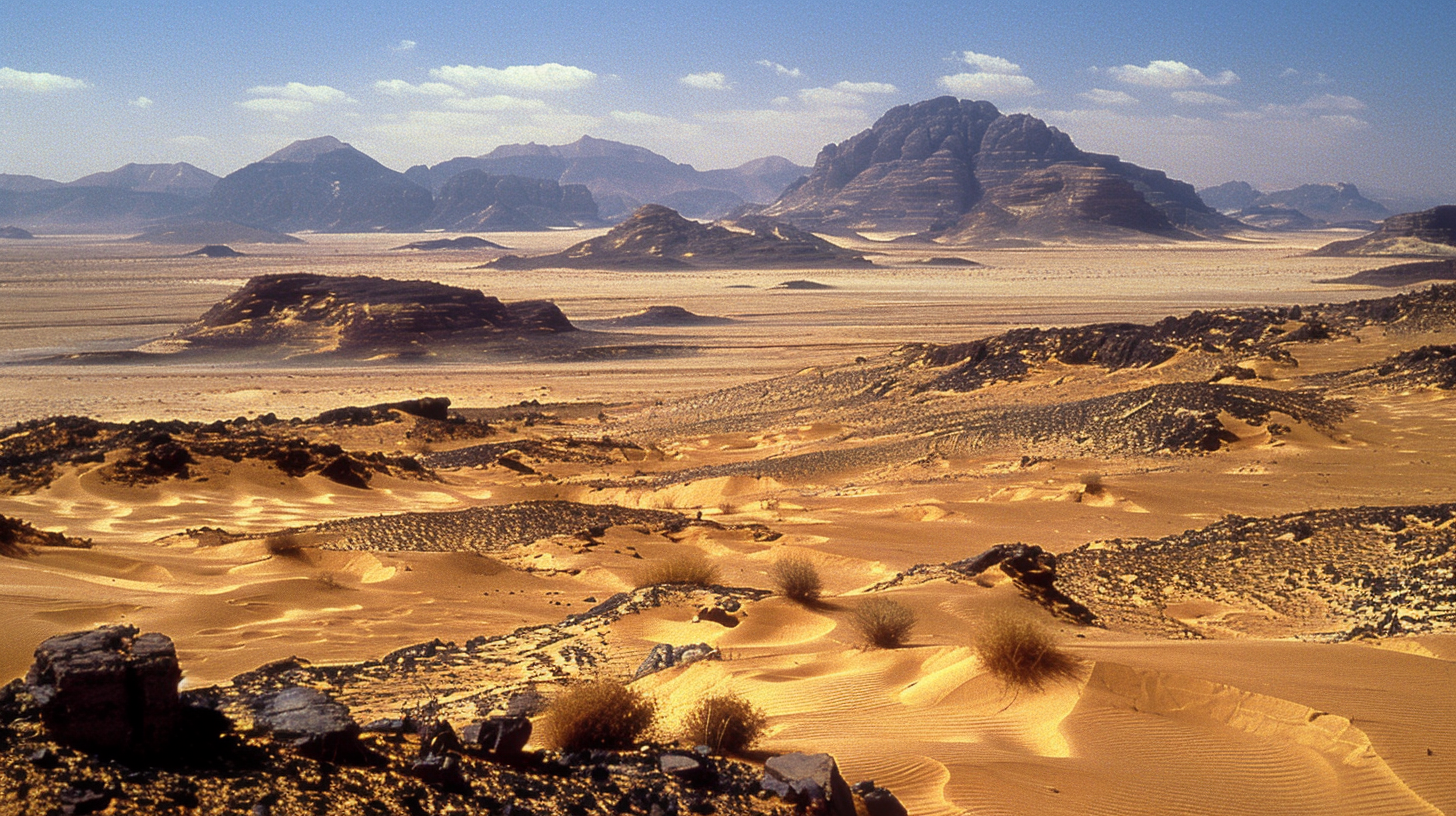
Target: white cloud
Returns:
[[1333, 102], [498, 103], [781, 70], [299, 92], [1102, 96], [398, 87], [994, 76], [985, 63], [1316, 78], [985, 84], [865, 87], [706, 81], [1169, 74], [1199, 98], [829, 98], [38, 82], [281, 108], [404, 45], [550, 76], [141, 102]]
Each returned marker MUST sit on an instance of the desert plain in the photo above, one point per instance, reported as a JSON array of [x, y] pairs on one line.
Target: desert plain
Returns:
[[1274, 664]]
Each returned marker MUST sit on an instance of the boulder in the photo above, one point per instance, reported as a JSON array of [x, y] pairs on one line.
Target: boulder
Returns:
[[316, 725], [810, 781], [503, 738], [665, 656], [878, 801], [108, 689]]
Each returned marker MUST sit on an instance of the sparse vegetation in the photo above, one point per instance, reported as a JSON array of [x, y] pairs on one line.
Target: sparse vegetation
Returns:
[[726, 723], [797, 579], [597, 714], [883, 622], [1022, 653], [687, 568], [284, 545]]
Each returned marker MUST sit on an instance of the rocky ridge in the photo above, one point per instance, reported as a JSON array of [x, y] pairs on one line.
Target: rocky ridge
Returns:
[[1425, 233], [477, 201]]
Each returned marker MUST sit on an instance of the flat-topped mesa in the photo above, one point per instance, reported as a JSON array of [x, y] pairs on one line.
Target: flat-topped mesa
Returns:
[[321, 314], [1426, 233], [962, 171], [656, 237]]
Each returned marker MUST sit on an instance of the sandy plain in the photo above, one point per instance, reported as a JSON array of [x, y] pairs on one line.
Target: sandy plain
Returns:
[[1264, 718]]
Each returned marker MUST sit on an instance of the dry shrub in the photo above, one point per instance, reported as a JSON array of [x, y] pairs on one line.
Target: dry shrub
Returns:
[[1021, 653], [686, 568], [597, 714], [284, 545], [883, 622], [726, 723], [797, 579]]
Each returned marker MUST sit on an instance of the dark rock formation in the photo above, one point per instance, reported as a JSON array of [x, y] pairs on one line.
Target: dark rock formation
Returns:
[[178, 179], [809, 781], [662, 317], [316, 725], [91, 209], [325, 186], [304, 314], [1429, 232], [1034, 571], [501, 738], [802, 285], [215, 251], [1328, 203], [666, 656], [108, 690], [15, 233], [212, 232], [476, 200], [1406, 274], [878, 801], [14, 183], [463, 242], [623, 177], [1276, 218], [655, 237], [961, 170], [19, 539], [1230, 197]]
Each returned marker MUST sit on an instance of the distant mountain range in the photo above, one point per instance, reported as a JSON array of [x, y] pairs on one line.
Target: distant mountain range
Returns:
[[1305, 207]]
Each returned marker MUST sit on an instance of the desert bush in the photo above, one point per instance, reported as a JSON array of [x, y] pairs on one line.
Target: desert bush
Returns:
[[726, 723], [1021, 653], [685, 568], [597, 714], [883, 622], [285, 545], [797, 578]]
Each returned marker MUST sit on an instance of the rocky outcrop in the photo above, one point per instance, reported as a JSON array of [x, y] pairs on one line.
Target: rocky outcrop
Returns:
[[961, 171], [655, 237], [320, 185], [313, 723], [15, 233], [215, 251], [1429, 232], [109, 690], [1332, 204], [811, 782], [304, 314], [1230, 197], [476, 200], [19, 539], [666, 656], [180, 179], [212, 232], [1406, 274], [663, 317], [464, 242]]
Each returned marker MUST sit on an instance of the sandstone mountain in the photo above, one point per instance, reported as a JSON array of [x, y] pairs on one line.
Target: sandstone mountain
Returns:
[[180, 179], [622, 177], [321, 185], [963, 172], [211, 232], [477, 201], [1429, 232], [1230, 197], [656, 237], [90, 209], [25, 184], [1308, 206]]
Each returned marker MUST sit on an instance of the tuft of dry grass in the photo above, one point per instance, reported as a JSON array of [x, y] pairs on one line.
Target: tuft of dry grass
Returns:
[[597, 714], [883, 622], [1022, 653], [797, 579], [726, 723], [686, 568]]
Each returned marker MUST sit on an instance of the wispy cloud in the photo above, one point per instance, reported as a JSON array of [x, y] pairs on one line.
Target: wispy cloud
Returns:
[[994, 76], [1103, 96], [398, 87], [498, 103], [404, 45], [299, 92], [780, 69], [1306, 77], [38, 82], [1199, 98], [550, 76], [141, 102], [706, 81], [1169, 74], [1332, 102], [281, 108], [865, 87]]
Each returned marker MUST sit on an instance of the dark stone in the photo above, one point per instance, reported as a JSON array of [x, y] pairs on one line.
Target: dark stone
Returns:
[[347, 471], [878, 801], [316, 725], [503, 738], [1034, 571], [718, 615], [108, 689], [665, 656], [685, 768], [385, 726], [809, 781], [216, 251], [442, 771]]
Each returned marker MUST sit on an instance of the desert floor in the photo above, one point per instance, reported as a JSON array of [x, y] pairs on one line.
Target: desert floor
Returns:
[[1261, 714]]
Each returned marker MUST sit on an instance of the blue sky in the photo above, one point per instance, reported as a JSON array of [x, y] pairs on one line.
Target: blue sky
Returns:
[[1294, 93]]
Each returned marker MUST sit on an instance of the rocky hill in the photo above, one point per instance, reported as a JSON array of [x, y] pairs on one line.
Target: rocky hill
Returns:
[[180, 179], [656, 237], [476, 200], [1425, 233], [622, 177], [90, 209], [962, 171], [1231, 196], [1309, 206], [15, 233], [211, 232], [25, 184]]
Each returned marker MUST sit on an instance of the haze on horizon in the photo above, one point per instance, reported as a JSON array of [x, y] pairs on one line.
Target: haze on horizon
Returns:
[[1301, 93]]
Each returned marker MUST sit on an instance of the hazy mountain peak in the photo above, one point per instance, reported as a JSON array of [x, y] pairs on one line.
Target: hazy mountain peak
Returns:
[[306, 150]]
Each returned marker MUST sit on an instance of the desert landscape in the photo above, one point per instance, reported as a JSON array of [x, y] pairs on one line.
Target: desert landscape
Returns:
[[964, 472]]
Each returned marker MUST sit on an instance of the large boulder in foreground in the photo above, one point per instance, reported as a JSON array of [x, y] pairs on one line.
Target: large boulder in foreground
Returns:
[[810, 781], [109, 690], [314, 723]]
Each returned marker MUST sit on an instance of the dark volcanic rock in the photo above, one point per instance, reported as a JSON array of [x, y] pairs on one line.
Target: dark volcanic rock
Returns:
[[502, 738], [18, 538], [15, 233], [317, 314], [108, 690], [1429, 232], [212, 232], [216, 251], [315, 724], [809, 781], [963, 170], [463, 242], [656, 237], [476, 200], [325, 190]]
